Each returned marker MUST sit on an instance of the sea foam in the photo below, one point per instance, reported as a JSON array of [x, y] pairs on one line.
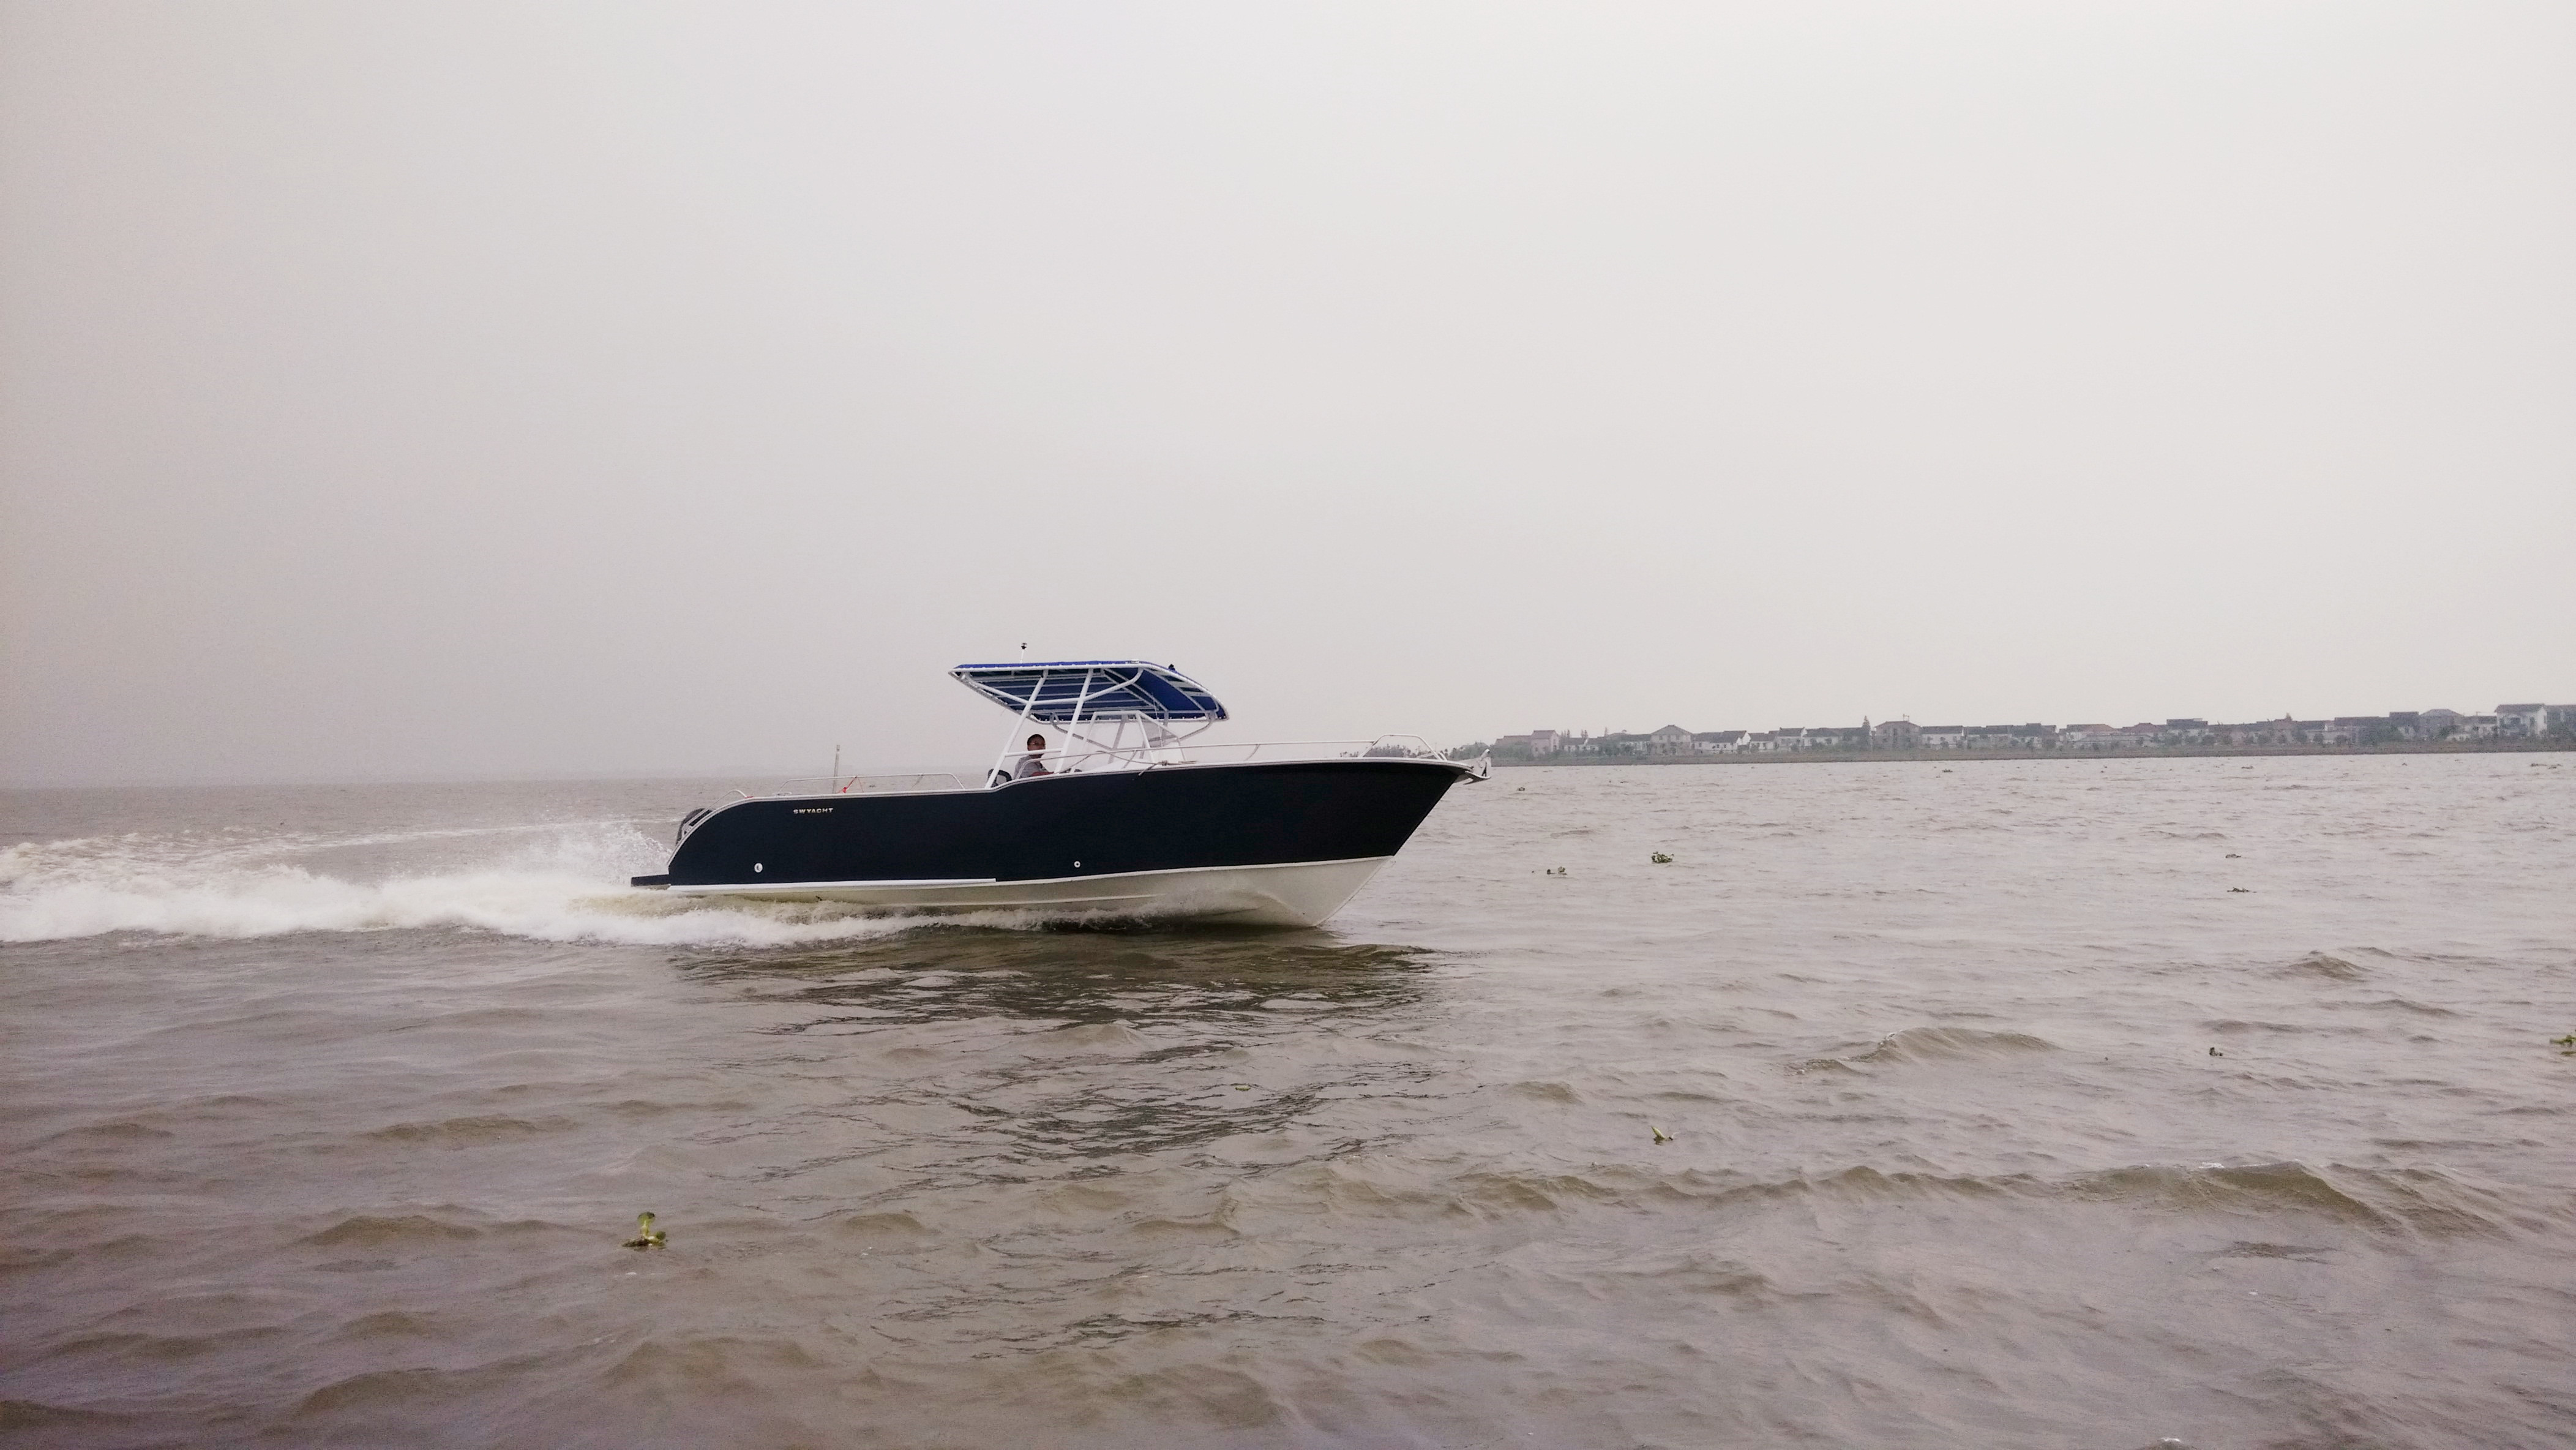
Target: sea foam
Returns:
[[554, 883]]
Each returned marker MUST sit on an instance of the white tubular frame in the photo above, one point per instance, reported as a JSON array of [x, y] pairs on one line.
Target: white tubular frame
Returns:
[[1154, 749]]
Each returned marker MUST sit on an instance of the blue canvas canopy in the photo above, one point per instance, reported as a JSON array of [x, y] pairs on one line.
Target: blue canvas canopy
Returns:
[[1067, 690]]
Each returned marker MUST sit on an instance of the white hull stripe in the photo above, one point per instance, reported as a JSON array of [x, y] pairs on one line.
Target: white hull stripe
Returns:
[[789, 888]]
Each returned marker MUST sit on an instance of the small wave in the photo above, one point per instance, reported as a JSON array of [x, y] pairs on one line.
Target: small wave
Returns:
[[2400, 1004], [1506, 1192], [1944, 1044], [38, 1415], [129, 1132], [390, 1324], [157, 1349], [566, 885], [408, 1392], [2302, 1253], [684, 1363], [2318, 964], [1213, 1228], [372, 1230], [895, 1225], [466, 1132], [1090, 1036], [2420, 1200]]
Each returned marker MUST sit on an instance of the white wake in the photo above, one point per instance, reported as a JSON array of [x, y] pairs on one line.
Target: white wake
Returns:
[[554, 883]]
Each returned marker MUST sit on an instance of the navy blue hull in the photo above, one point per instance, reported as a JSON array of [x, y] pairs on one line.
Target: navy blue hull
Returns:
[[1071, 826]]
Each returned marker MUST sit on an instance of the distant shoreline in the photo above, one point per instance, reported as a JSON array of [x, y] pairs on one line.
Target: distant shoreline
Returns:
[[2125, 752]]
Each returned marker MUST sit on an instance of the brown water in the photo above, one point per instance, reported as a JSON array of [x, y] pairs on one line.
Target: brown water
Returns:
[[325, 1111]]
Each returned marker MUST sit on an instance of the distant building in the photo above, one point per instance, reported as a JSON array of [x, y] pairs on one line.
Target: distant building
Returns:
[[2521, 721], [1537, 744], [1894, 735], [1671, 740], [1940, 737], [1716, 741], [2095, 737], [2283, 731]]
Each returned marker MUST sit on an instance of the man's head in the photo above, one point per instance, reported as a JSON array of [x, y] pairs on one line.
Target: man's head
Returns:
[[1037, 742]]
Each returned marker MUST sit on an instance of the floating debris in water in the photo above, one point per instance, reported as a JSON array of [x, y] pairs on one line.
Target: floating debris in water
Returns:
[[646, 1236], [2214, 1052], [1660, 1135], [2232, 856], [2245, 890], [1661, 858], [2567, 1043]]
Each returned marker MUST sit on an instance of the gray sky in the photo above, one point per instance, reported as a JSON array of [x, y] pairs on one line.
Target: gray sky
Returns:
[[453, 389]]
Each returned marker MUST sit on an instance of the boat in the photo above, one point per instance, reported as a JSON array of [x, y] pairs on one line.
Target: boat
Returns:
[[1125, 814]]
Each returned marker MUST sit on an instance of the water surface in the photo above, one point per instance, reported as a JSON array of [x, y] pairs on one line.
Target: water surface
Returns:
[[2043, 1103]]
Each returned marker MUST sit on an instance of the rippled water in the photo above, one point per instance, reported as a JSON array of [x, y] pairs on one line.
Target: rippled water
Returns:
[[2036, 1103]]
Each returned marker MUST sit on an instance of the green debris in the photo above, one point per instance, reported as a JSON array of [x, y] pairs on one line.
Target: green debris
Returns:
[[646, 1236], [1661, 858], [1660, 1135]]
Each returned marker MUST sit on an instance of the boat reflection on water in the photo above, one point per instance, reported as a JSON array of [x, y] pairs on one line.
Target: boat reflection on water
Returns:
[[1075, 976], [1063, 1052]]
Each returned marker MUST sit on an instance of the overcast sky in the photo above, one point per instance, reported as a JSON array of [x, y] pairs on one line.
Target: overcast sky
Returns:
[[420, 390]]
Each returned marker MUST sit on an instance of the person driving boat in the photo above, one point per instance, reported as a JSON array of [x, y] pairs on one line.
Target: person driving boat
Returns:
[[1033, 763]]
